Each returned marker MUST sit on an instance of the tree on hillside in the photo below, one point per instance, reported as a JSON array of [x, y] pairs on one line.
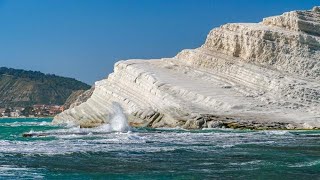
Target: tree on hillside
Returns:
[[28, 111]]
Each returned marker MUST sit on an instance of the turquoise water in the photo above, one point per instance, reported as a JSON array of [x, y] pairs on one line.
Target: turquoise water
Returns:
[[73, 153]]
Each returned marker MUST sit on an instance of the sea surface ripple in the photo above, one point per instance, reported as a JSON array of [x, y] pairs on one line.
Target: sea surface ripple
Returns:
[[61, 152]]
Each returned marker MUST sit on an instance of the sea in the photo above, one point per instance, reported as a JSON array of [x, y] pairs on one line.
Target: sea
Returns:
[[68, 152]]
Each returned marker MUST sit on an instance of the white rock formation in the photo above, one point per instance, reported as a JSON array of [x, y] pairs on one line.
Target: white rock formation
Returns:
[[256, 75]]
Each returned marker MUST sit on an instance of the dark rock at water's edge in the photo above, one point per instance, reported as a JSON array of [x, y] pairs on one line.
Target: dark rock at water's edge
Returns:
[[219, 121], [46, 134]]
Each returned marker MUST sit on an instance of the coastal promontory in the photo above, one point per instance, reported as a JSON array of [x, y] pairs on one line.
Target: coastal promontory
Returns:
[[246, 75]]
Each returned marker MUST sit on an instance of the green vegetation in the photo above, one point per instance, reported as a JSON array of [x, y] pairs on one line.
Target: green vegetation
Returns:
[[20, 88], [28, 111]]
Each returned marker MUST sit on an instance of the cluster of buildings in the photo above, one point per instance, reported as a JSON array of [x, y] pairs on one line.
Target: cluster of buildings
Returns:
[[11, 112], [39, 110]]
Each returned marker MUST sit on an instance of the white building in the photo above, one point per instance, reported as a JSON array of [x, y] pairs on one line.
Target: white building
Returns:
[[15, 114]]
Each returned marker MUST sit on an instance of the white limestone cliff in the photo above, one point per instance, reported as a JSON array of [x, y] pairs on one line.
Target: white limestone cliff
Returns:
[[247, 75]]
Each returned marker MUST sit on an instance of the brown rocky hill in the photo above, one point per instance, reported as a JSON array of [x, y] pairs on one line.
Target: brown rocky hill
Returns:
[[25, 88]]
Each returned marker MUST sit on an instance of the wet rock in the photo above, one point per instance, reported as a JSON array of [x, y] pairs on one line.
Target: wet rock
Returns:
[[290, 126], [214, 124]]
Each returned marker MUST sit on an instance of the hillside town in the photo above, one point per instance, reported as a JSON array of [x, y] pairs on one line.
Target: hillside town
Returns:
[[38, 110]]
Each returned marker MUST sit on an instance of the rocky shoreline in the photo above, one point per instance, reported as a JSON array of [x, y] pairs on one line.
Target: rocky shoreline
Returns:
[[214, 121], [232, 122]]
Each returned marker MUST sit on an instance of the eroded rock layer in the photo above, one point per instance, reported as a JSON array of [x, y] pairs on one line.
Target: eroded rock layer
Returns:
[[247, 75]]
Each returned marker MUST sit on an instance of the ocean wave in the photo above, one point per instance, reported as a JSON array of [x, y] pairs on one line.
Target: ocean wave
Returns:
[[74, 132], [277, 132], [254, 162], [103, 139], [172, 129], [9, 171], [306, 164], [17, 124]]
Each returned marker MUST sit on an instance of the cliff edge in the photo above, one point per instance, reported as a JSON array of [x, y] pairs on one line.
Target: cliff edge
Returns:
[[246, 75]]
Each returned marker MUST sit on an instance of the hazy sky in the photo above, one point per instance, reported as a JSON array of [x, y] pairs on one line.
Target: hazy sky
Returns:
[[84, 38]]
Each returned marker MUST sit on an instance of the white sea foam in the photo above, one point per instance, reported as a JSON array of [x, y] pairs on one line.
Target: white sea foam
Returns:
[[277, 132], [171, 129], [17, 124], [10, 171], [103, 128], [104, 138], [254, 162], [306, 164]]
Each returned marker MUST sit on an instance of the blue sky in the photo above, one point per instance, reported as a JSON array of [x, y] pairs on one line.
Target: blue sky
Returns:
[[84, 38]]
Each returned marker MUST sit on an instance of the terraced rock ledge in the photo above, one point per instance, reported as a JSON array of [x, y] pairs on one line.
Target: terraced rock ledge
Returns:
[[246, 75]]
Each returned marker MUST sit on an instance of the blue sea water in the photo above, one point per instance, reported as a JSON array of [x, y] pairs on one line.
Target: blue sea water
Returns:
[[74, 153]]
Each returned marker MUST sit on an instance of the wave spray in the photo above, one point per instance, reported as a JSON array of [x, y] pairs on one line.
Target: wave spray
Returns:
[[118, 120]]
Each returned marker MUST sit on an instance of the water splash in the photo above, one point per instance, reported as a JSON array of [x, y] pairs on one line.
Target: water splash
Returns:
[[118, 120], [117, 123]]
